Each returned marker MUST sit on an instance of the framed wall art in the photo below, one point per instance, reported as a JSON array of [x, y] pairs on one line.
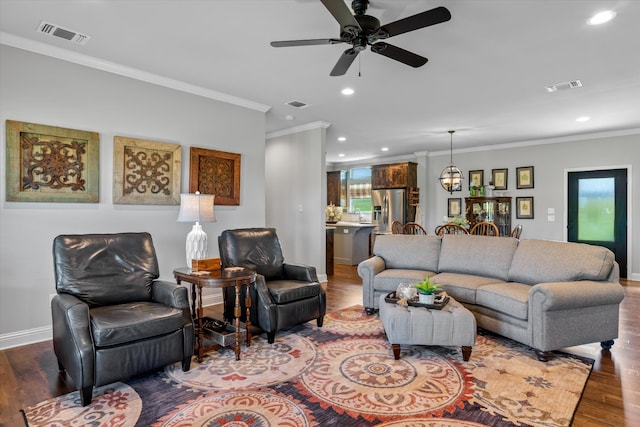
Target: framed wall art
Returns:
[[146, 172], [499, 178], [476, 178], [51, 164], [524, 207], [454, 207], [524, 177], [215, 172]]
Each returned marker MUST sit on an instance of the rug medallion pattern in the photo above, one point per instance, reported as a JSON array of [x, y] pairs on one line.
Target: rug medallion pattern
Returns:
[[341, 374]]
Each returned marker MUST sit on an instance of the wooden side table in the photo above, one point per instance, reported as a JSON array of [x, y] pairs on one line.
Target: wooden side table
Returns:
[[223, 278]]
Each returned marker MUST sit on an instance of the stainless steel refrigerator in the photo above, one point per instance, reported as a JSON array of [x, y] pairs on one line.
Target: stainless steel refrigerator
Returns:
[[388, 206]]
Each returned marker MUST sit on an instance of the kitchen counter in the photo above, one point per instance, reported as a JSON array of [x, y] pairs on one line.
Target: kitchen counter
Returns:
[[351, 241]]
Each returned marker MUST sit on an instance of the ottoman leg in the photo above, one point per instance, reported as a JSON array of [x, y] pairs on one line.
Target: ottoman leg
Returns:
[[396, 351], [466, 352]]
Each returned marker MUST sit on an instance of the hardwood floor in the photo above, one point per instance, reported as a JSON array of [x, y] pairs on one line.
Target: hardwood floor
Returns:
[[29, 374]]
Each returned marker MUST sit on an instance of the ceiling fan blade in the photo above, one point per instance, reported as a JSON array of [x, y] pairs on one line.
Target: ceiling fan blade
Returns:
[[345, 61], [399, 54], [310, 42], [343, 15], [415, 22]]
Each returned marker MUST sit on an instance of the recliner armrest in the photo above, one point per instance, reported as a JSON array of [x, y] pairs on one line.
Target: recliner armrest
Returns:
[[170, 294], [72, 339], [301, 272]]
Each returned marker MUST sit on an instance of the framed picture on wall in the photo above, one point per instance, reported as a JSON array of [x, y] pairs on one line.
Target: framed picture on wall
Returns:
[[524, 177], [499, 178], [51, 164], [215, 172], [454, 207], [146, 172], [524, 207], [476, 178]]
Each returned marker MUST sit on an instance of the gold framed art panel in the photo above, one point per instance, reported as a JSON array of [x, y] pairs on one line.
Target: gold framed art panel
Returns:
[[146, 172], [215, 172], [51, 164]]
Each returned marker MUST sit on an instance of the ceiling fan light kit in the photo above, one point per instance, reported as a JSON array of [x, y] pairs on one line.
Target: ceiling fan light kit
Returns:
[[361, 30], [451, 177]]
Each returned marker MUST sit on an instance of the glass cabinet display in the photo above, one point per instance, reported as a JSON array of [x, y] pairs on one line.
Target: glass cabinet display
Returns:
[[490, 209]]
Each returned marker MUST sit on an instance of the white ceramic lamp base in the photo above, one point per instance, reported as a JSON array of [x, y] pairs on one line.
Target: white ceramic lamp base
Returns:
[[196, 244]]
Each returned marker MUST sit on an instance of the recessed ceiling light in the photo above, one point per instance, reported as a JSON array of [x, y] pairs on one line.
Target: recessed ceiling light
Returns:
[[348, 91], [601, 17], [289, 117], [384, 149], [342, 138], [341, 155], [583, 119]]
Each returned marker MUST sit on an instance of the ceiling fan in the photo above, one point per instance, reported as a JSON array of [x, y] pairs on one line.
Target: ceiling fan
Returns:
[[360, 30]]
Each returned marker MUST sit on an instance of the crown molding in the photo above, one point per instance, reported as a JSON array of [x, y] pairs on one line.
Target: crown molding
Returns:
[[297, 129], [121, 70], [555, 140]]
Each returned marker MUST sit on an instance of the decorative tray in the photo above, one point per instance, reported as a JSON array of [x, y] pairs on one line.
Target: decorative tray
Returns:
[[221, 332], [441, 301]]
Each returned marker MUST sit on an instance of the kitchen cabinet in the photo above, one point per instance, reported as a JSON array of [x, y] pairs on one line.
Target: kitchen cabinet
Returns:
[[336, 188], [396, 175], [490, 209]]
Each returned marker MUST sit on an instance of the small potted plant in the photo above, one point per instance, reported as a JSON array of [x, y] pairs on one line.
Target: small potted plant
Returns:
[[427, 290]]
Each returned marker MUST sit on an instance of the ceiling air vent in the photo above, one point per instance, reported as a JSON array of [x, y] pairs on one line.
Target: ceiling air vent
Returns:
[[64, 33], [297, 104], [573, 84]]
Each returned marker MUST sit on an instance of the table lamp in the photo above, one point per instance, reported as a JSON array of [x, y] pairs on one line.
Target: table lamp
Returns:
[[196, 208]]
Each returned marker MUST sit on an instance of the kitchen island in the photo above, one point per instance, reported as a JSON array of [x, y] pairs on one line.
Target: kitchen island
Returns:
[[351, 242]]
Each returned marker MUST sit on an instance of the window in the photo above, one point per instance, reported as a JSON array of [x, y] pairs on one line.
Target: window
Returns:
[[359, 190]]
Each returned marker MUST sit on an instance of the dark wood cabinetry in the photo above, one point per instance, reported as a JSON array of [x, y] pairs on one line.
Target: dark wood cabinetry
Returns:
[[491, 209], [336, 188], [396, 175]]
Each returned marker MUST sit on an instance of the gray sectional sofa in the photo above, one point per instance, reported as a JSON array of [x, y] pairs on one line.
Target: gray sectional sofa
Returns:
[[545, 294]]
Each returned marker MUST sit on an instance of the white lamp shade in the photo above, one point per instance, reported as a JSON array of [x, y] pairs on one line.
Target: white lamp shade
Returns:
[[197, 208]]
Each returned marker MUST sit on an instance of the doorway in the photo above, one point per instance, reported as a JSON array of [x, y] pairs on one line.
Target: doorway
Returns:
[[597, 211]]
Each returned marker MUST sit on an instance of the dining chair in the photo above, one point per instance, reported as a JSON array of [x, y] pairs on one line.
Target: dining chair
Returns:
[[450, 228], [396, 227], [517, 230], [413, 228], [485, 228]]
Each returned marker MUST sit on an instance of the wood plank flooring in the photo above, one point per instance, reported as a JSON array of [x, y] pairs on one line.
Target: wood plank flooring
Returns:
[[29, 374]]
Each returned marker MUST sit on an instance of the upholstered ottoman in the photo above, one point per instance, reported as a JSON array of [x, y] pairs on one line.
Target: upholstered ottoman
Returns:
[[453, 325]]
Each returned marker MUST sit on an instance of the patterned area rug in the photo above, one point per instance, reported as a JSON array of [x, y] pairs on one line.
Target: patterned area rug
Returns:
[[343, 374]]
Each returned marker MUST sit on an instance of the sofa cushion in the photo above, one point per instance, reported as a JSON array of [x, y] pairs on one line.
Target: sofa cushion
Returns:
[[408, 251], [508, 297], [388, 280], [537, 261], [479, 255], [462, 286]]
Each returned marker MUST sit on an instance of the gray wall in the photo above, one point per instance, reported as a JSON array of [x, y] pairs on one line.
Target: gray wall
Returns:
[[551, 162], [43, 90], [296, 193]]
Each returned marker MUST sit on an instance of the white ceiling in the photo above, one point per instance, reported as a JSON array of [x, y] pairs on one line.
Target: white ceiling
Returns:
[[486, 76]]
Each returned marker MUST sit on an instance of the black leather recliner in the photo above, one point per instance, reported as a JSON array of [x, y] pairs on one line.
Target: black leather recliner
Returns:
[[284, 295], [111, 318]]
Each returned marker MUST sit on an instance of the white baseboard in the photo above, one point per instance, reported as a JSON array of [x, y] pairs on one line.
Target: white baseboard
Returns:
[[634, 276], [25, 337]]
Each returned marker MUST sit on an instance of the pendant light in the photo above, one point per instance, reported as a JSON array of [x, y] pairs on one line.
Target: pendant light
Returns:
[[451, 177]]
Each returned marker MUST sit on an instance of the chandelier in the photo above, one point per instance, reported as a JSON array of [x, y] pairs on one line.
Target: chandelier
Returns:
[[451, 177]]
